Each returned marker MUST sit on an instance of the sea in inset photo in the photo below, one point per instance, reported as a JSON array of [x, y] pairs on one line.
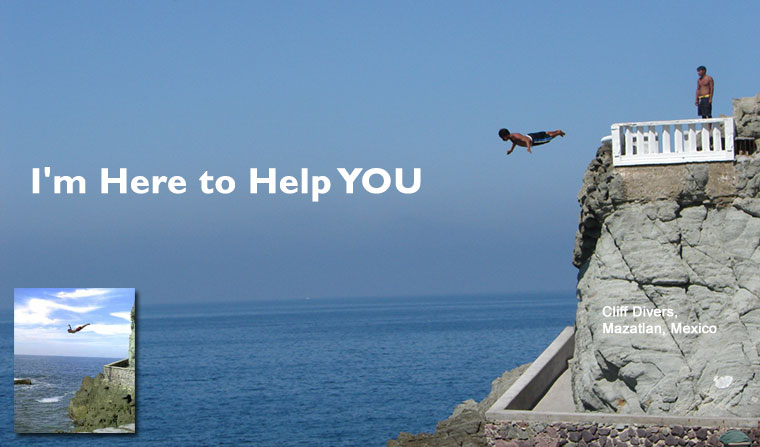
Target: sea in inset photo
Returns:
[[74, 360]]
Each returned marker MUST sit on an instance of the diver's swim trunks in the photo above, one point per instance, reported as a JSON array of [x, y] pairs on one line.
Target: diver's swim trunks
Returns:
[[540, 138], [704, 109]]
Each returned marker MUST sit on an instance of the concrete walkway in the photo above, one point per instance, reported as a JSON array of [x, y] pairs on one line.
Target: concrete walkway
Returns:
[[559, 398]]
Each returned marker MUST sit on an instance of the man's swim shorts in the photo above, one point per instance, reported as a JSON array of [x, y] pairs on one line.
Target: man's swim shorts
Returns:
[[540, 138], [705, 108]]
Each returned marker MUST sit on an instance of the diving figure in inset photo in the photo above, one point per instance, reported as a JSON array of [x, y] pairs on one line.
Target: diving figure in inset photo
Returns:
[[78, 328]]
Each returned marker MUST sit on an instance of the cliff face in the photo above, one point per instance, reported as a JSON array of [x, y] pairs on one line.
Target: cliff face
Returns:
[[683, 243], [747, 117], [101, 403], [132, 340]]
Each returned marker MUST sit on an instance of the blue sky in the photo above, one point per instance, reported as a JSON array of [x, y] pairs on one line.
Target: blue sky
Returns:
[[41, 318], [178, 88]]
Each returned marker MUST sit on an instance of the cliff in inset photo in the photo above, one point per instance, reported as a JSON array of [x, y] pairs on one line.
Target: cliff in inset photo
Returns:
[[681, 242], [106, 403]]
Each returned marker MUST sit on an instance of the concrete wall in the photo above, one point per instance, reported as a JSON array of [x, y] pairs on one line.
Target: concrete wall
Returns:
[[666, 182], [120, 373], [539, 377]]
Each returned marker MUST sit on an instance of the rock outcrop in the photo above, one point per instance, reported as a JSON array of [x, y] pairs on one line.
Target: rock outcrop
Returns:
[[681, 242], [107, 406], [99, 404], [747, 116], [131, 354], [466, 425]]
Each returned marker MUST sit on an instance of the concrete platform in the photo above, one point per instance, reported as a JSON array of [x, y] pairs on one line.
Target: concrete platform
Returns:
[[559, 398]]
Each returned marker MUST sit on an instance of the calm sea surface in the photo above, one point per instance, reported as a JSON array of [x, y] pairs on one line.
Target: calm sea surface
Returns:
[[320, 372]]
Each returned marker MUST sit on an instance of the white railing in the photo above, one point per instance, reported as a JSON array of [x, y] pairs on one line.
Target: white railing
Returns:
[[681, 141]]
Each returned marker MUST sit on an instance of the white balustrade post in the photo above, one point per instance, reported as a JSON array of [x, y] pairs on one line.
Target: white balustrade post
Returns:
[[692, 138], [729, 134], [628, 141], [652, 136], [717, 146], [705, 137], [615, 131], [678, 137], [640, 147], [665, 138]]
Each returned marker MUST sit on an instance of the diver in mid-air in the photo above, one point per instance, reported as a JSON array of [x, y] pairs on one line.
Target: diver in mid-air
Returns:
[[79, 328], [529, 140]]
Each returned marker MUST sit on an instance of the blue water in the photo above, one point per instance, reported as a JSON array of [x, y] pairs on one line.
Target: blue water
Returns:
[[42, 407], [320, 372]]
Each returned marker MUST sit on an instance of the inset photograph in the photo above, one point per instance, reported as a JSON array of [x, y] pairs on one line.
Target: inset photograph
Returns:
[[74, 360]]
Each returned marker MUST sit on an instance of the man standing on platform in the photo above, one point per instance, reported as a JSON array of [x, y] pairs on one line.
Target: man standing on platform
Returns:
[[705, 88]]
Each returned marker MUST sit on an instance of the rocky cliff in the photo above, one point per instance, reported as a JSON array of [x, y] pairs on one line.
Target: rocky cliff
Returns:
[[747, 117], [132, 340], [668, 317], [99, 404], [102, 404]]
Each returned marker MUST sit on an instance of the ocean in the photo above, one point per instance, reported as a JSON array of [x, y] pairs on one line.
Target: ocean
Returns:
[[42, 407], [318, 373]]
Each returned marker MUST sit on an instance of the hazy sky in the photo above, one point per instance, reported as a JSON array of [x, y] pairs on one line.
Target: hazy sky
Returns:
[[179, 88], [41, 318]]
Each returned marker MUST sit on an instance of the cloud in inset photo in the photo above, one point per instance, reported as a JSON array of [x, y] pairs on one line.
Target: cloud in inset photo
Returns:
[[82, 293], [109, 329], [38, 311], [124, 315]]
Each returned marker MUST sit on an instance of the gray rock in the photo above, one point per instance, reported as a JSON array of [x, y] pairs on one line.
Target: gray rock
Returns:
[[99, 404], [695, 182], [466, 419], [132, 339], [698, 263], [747, 116]]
